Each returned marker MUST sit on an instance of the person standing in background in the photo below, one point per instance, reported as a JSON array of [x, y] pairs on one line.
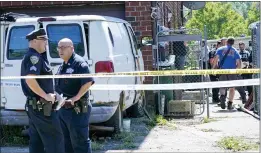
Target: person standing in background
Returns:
[[215, 91]]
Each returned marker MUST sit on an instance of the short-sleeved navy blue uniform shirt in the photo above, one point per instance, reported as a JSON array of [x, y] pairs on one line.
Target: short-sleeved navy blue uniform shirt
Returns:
[[71, 86], [244, 55], [36, 63]]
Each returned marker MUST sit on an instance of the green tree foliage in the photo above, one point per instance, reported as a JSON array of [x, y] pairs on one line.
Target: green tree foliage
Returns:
[[241, 8], [220, 19], [254, 13]]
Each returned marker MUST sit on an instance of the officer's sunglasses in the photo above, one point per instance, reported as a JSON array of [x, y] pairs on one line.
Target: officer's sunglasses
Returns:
[[62, 47], [44, 39]]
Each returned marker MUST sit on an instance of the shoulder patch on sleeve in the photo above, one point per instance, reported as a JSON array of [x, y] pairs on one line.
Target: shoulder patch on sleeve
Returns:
[[34, 59]]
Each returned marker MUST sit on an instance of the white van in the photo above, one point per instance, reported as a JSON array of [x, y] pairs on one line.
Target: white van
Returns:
[[108, 45]]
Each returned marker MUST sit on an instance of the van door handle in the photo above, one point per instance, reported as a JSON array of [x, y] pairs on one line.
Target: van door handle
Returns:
[[55, 64]]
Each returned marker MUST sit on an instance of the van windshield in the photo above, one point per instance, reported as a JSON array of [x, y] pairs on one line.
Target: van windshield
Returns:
[[56, 32]]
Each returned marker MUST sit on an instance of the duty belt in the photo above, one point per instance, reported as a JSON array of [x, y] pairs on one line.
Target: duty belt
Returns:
[[80, 106], [41, 105]]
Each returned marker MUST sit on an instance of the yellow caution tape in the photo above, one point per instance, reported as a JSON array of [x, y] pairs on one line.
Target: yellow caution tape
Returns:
[[142, 73], [171, 86]]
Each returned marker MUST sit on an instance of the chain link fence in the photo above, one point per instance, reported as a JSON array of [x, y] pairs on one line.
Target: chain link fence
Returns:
[[256, 62], [180, 49]]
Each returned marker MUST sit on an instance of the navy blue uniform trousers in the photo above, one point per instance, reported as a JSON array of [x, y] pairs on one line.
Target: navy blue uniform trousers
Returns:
[[75, 130], [45, 132]]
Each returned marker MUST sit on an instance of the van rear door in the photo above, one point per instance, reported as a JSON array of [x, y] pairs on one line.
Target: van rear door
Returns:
[[58, 30], [15, 48], [3, 33]]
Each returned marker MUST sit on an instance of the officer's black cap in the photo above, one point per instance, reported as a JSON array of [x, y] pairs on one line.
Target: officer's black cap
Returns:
[[36, 34]]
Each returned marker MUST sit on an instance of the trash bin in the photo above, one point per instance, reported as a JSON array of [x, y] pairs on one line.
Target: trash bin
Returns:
[[166, 80], [168, 93]]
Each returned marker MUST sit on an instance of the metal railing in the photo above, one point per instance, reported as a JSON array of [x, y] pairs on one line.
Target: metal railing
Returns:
[[180, 49]]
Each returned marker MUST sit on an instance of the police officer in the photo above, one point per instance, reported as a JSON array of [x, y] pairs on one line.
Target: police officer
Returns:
[[244, 53], [75, 113], [245, 56], [44, 128]]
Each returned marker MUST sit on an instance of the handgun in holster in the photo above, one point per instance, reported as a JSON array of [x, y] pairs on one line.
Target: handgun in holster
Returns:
[[33, 102], [83, 105], [47, 107]]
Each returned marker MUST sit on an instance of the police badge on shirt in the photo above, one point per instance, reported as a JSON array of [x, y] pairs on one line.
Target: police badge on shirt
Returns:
[[69, 71]]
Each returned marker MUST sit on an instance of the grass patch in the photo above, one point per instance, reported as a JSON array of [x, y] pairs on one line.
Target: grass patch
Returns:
[[208, 120], [126, 145], [236, 144], [127, 139], [96, 145], [150, 123], [11, 136], [210, 130], [159, 120]]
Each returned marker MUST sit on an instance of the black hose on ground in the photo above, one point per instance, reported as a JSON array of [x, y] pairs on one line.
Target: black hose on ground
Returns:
[[242, 109]]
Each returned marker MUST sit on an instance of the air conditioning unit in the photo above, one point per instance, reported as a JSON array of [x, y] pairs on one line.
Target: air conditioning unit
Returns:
[[181, 108]]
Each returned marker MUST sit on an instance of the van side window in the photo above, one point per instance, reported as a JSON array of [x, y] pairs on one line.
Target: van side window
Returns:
[[17, 43], [133, 38], [86, 31], [56, 32]]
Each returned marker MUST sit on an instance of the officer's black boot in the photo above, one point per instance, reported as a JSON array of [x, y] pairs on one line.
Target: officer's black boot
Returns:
[[230, 105], [215, 97], [223, 101], [242, 94], [249, 90]]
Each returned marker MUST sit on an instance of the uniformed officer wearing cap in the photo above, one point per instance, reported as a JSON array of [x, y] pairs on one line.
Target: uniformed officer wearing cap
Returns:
[[44, 129], [75, 113]]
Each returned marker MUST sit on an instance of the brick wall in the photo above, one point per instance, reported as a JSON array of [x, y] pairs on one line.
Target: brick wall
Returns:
[[138, 15], [16, 4]]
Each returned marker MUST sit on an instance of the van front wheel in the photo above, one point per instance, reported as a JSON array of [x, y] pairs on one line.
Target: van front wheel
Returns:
[[116, 120], [137, 109]]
